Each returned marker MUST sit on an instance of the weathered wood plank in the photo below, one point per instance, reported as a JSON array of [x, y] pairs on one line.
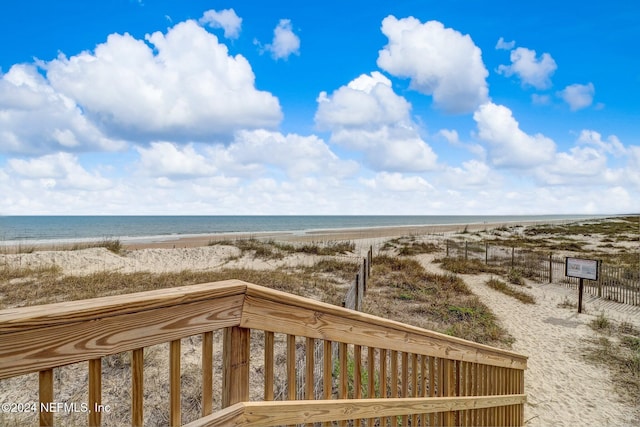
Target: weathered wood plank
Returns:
[[286, 313], [297, 412], [38, 349]]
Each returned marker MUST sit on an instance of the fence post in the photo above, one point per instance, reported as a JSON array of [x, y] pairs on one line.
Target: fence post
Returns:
[[550, 267], [235, 379], [486, 254], [357, 302], [513, 254]]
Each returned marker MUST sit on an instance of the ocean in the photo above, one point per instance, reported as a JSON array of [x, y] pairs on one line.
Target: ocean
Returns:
[[70, 229]]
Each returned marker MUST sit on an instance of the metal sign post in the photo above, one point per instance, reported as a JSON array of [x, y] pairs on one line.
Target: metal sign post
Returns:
[[582, 269]]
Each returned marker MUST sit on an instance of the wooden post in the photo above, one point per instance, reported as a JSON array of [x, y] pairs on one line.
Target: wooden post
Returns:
[[235, 378], [310, 364], [599, 280], [447, 242], [550, 267], [207, 373], [580, 290], [175, 394], [95, 391], [357, 285], [486, 254], [45, 392], [268, 365], [137, 389]]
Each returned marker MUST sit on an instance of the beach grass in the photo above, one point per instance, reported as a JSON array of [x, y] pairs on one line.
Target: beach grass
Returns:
[[406, 292], [503, 287]]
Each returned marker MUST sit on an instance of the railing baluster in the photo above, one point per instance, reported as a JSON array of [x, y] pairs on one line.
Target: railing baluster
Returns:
[[137, 383], [432, 387], [310, 364], [327, 374], [95, 392], [414, 384], [405, 381], [357, 377], [291, 367], [45, 396], [344, 380], [383, 380], [207, 373], [235, 376], [394, 382], [268, 365], [174, 384]]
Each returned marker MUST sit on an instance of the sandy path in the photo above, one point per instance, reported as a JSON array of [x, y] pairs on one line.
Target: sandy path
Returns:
[[562, 388]]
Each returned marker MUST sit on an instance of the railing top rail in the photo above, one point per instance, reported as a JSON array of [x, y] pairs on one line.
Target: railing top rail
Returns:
[[41, 337], [26, 318]]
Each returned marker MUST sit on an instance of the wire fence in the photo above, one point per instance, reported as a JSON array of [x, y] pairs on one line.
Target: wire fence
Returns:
[[619, 284]]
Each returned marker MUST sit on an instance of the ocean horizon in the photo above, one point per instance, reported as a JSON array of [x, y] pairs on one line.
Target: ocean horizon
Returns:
[[70, 229]]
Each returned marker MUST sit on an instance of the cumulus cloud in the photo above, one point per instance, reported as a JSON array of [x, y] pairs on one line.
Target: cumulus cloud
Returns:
[[225, 19], [61, 170], [285, 41], [35, 119], [439, 61], [531, 70], [366, 102], [612, 145], [168, 160], [503, 45], [397, 182], [508, 145], [367, 116], [183, 85], [297, 155], [578, 96]]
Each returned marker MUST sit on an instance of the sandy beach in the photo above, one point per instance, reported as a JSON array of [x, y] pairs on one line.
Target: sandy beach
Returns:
[[563, 388]]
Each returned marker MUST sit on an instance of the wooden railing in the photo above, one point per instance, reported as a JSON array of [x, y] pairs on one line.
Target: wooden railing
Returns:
[[385, 373]]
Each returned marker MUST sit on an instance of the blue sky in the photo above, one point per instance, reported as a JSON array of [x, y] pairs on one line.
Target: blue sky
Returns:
[[319, 107]]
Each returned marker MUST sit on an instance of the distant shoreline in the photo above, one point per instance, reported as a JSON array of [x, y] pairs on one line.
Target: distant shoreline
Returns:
[[328, 231]]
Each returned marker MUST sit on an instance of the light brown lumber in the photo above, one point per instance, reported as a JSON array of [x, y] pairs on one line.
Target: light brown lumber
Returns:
[[280, 312], [137, 387], [51, 346], [302, 411], [268, 365], [175, 406], [69, 312], [45, 395], [207, 373], [95, 391], [235, 359]]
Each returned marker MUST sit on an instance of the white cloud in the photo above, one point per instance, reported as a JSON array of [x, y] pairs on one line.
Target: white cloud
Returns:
[[225, 19], [186, 88], [531, 70], [168, 160], [61, 170], [578, 96], [297, 155], [285, 41], [503, 45], [439, 61], [366, 102], [397, 182], [367, 116], [35, 119], [508, 145], [472, 174], [612, 145]]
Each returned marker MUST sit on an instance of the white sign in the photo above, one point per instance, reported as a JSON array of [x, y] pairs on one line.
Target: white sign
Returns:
[[581, 268]]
